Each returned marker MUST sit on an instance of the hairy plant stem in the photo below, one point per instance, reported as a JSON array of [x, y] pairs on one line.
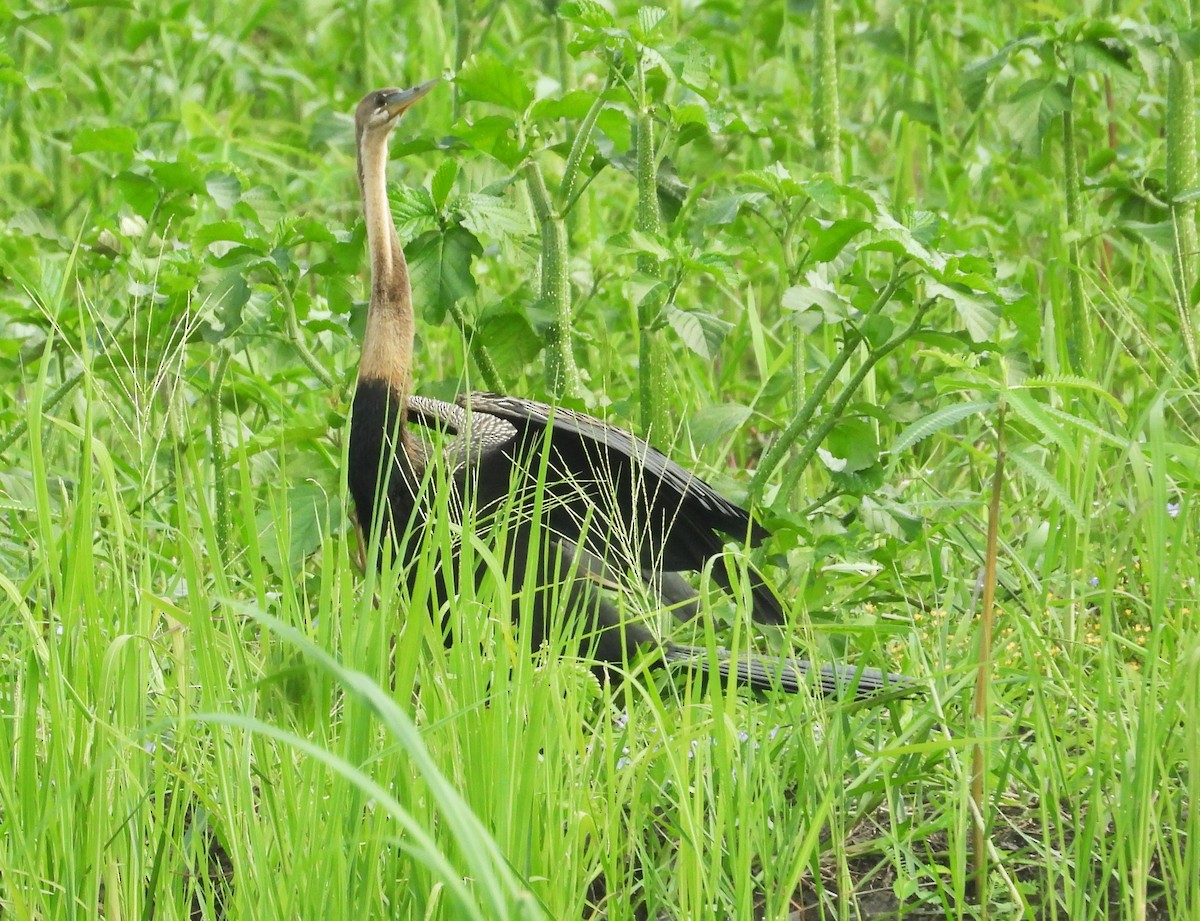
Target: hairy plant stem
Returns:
[[652, 357], [778, 449], [479, 352], [825, 90], [293, 325], [1181, 178], [566, 187], [562, 374]]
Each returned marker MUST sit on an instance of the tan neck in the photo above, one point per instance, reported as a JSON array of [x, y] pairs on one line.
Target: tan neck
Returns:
[[388, 342]]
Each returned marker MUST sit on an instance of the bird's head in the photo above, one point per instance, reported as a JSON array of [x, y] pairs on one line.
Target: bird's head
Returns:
[[380, 110]]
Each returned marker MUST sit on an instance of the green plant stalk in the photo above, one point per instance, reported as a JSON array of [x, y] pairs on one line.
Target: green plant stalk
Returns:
[[464, 18], [825, 90], [217, 441], [983, 677], [479, 351], [1078, 333], [566, 187], [293, 324], [1181, 178], [652, 357], [562, 374], [774, 454]]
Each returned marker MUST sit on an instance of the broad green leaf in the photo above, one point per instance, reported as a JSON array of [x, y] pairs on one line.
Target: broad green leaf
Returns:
[[120, 139], [224, 188], [443, 181], [852, 446], [893, 237], [496, 136], [700, 332], [713, 423], [980, 314], [649, 18], [230, 231], [511, 341], [1028, 114], [830, 238], [483, 78], [588, 13], [891, 518], [635, 241], [491, 216], [439, 267], [833, 307], [413, 210], [262, 203], [574, 104]]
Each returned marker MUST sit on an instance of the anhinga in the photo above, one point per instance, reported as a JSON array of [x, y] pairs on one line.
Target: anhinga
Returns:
[[610, 503]]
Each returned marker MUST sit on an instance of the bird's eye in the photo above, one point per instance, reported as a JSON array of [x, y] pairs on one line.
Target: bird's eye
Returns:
[[380, 100]]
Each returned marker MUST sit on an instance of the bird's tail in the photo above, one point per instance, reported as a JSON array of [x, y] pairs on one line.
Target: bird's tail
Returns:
[[767, 673]]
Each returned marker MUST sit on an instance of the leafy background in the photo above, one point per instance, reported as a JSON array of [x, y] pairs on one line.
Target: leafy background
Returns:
[[816, 286]]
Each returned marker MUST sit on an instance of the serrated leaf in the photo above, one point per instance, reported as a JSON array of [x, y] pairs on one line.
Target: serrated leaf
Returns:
[[635, 241], [491, 216], [224, 188], [1029, 410], [980, 315], [1042, 477], [1028, 114], [494, 135], [936, 421], [724, 208], [649, 18], [1073, 382], [834, 308], [439, 268], [574, 104], [264, 204], [700, 332], [588, 13], [892, 236], [483, 78], [413, 210], [443, 181]]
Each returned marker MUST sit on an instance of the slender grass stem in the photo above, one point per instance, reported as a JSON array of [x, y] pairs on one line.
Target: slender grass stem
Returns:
[[1076, 330], [1182, 176], [983, 677]]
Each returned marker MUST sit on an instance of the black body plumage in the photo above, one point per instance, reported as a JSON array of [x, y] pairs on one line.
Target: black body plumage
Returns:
[[593, 506]]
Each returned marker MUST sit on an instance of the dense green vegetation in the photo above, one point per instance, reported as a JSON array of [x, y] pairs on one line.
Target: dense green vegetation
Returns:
[[836, 284]]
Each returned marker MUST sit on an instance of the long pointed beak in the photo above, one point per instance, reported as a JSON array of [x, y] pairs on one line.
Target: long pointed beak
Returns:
[[398, 102]]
